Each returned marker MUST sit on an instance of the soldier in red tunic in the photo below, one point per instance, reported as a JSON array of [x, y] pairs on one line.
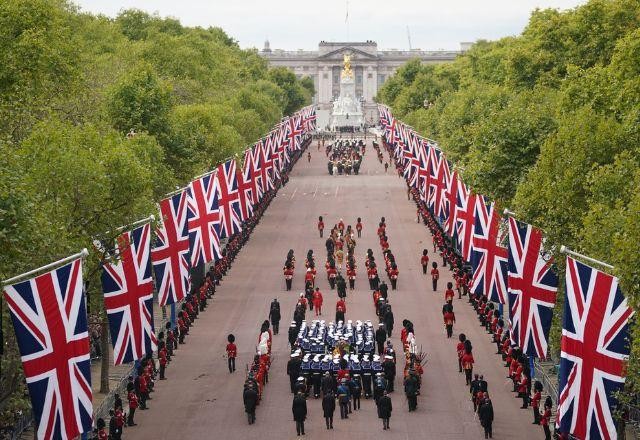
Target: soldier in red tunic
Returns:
[[424, 261], [393, 276], [460, 350], [232, 352], [435, 275], [320, 226], [449, 319], [351, 275], [309, 276], [535, 402], [372, 274], [317, 301], [331, 275], [288, 276], [359, 227], [341, 309], [467, 362], [546, 419]]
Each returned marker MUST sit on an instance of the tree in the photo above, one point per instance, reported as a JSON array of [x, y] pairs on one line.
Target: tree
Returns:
[[296, 95], [140, 101], [38, 60]]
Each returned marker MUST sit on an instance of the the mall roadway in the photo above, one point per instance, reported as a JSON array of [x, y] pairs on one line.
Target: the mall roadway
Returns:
[[201, 400]]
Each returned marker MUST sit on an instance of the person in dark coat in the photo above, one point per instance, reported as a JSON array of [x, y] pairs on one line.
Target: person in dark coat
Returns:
[[411, 390], [299, 410], [389, 368], [341, 286], [293, 370], [381, 337], [485, 414], [328, 408], [250, 398], [328, 384], [293, 333], [329, 245], [384, 410], [388, 320], [384, 289], [274, 316]]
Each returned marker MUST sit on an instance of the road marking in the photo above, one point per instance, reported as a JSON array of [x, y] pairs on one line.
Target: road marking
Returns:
[[294, 192], [315, 191], [337, 188]]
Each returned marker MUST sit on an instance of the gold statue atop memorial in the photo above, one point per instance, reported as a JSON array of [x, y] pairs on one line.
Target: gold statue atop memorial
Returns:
[[346, 69]]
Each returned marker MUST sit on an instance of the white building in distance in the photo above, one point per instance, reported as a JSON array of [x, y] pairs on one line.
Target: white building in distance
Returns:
[[371, 67]]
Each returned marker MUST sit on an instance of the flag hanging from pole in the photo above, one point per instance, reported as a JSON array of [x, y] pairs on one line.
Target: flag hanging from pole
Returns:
[[128, 296], [171, 256], [593, 349], [50, 320], [532, 285]]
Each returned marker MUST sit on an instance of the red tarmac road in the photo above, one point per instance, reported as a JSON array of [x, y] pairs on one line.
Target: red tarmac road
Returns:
[[201, 400]]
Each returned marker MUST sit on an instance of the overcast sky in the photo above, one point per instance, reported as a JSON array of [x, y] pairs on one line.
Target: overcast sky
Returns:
[[301, 24]]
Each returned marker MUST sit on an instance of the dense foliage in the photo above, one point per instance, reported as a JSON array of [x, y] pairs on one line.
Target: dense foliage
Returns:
[[99, 117], [548, 124]]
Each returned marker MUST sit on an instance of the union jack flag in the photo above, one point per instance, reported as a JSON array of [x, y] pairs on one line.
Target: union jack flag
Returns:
[[465, 220], [266, 165], [251, 172], [444, 180], [171, 256], [532, 286], [228, 199], [245, 190], [50, 321], [594, 348], [384, 116], [294, 133], [451, 196], [128, 296], [308, 115], [423, 171], [488, 258], [437, 182], [203, 220], [426, 169]]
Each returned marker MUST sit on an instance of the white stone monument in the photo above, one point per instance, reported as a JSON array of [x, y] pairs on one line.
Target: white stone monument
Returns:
[[347, 109]]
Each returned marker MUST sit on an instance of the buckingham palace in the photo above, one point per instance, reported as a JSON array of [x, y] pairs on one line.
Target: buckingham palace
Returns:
[[371, 67]]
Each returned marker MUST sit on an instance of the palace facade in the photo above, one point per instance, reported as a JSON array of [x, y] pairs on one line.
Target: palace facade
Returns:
[[372, 67]]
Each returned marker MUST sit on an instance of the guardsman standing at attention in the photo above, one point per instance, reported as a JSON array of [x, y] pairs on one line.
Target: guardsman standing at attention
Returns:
[[320, 226], [424, 261], [317, 301], [288, 276], [393, 276], [535, 402], [359, 227], [309, 277], [449, 293], [341, 309], [351, 275], [435, 275], [331, 275]]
